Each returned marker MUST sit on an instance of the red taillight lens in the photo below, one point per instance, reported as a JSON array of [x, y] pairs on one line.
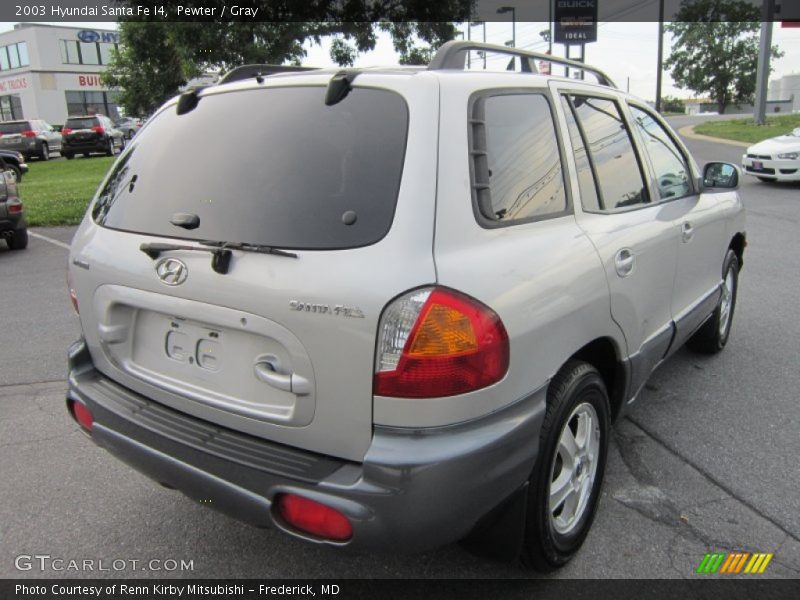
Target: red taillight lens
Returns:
[[314, 518], [72, 295], [15, 208], [66, 131], [98, 129], [28, 133], [438, 342], [82, 415]]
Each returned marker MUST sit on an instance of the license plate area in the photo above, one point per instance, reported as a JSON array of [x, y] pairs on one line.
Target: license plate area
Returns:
[[212, 355], [758, 165]]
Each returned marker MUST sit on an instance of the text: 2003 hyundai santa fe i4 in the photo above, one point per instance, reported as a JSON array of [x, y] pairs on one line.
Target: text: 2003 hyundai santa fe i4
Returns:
[[407, 310]]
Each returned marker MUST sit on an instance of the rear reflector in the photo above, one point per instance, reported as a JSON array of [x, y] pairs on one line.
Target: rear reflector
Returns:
[[28, 134], [312, 517], [81, 414], [15, 208], [66, 131]]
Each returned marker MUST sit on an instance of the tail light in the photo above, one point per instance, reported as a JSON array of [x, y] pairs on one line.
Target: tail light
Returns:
[[98, 129], [72, 295], [313, 517], [14, 207], [437, 342], [66, 131], [28, 133], [81, 414]]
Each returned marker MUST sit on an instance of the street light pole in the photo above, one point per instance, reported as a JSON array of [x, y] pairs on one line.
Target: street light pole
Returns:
[[510, 9], [660, 66]]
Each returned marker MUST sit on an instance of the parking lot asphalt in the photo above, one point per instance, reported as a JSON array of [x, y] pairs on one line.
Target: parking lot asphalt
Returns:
[[706, 460]]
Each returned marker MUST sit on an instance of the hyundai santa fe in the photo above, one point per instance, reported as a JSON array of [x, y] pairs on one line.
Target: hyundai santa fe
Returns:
[[406, 305]]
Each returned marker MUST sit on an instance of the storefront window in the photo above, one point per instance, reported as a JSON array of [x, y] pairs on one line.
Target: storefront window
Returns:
[[89, 54], [105, 52], [10, 108], [4, 59], [13, 56], [92, 103], [24, 59]]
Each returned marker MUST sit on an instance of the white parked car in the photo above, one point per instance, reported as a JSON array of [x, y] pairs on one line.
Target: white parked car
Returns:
[[775, 159]]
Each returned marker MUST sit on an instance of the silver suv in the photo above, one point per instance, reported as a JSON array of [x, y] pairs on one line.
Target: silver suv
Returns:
[[404, 312]]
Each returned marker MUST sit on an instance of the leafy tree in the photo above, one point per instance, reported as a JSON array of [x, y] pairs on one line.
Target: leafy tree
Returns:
[[157, 58], [715, 49], [671, 104]]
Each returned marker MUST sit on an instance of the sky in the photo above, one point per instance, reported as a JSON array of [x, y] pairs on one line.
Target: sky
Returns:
[[627, 52]]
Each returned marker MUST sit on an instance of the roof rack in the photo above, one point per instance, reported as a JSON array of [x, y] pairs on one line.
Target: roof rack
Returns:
[[453, 55], [248, 71]]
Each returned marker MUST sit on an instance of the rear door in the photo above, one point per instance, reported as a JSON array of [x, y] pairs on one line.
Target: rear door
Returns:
[[635, 237], [279, 347], [698, 220]]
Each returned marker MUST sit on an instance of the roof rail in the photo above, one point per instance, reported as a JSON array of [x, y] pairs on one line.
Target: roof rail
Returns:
[[453, 55], [248, 71]]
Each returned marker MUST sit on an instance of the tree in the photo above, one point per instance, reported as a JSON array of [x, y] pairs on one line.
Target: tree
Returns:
[[157, 58], [671, 104], [715, 49]]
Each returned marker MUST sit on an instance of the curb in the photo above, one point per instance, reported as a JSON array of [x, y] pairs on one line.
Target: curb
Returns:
[[688, 131]]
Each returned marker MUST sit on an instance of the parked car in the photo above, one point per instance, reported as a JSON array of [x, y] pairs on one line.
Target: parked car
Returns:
[[31, 137], [13, 226], [129, 126], [408, 318], [14, 162], [775, 159], [91, 135]]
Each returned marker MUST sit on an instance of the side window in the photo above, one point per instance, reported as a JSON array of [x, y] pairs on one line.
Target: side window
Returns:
[[516, 162], [669, 165], [586, 182], [615, 166]]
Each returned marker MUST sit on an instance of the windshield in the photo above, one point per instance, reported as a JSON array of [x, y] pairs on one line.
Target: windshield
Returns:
[[272, 166]]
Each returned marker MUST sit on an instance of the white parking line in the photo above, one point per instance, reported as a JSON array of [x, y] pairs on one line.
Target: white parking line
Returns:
[[48, 239]]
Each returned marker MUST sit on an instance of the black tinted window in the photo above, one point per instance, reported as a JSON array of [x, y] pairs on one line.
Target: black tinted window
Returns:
[[269, 166], [671, 171], [589, 199], [617, 169], [85, 123], [16, 127], [521, 168]]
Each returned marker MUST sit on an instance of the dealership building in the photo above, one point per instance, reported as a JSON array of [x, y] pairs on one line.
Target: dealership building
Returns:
[[51, 71]]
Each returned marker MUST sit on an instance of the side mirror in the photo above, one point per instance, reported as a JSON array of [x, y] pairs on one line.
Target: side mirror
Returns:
[[720, 175]]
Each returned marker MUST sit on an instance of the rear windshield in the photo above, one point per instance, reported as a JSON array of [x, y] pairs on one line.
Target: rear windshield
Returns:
[[270, 166], [86, 123], [19, 127]]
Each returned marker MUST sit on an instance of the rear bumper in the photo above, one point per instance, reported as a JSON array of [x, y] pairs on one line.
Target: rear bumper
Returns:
[[96, 145], [415, 490]]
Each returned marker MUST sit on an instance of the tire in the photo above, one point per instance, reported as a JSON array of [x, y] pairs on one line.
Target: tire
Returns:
[[85, 155], [15, 170], [577, 402], [111, 149], [45, 153], [18, 241], [714, 333], [129, 134], [68, 155]]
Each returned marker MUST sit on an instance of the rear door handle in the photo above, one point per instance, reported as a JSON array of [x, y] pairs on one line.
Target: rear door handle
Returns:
[[624, 261], [265, 370], [687, 232]]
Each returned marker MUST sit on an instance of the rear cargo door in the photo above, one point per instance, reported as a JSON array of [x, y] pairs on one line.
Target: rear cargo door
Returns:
[[278, 346]]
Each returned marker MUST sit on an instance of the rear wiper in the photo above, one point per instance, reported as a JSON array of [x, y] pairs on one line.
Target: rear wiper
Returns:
[[261, 248], [220, 251], [220, 257]]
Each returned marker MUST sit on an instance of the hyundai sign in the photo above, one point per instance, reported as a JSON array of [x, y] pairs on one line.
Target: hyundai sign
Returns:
[[575, 21], [90, 36]]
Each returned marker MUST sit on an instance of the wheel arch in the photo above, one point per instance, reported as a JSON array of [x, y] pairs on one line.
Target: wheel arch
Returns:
[[605, 356], [738, 243]]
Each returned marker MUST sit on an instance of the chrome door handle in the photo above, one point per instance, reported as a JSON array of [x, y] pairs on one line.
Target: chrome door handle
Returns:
[[265, 370], [687, 232], [623, 262]]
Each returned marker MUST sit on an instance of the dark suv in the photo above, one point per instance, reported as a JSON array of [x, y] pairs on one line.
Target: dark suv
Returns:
[[31, 137], [13, 226], [92, 134]]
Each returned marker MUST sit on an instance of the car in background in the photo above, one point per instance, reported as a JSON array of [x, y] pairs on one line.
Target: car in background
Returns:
[[31, 137], [129, 126], [14, 162], [13, 226], [90, 135], [775, 159]]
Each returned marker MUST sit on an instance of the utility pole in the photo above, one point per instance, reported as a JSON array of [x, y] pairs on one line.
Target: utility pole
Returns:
[[660, 66], [762, 76]]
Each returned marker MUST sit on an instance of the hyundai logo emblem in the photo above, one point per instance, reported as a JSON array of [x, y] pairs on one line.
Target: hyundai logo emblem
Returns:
[[172, 271], [88, 36]]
